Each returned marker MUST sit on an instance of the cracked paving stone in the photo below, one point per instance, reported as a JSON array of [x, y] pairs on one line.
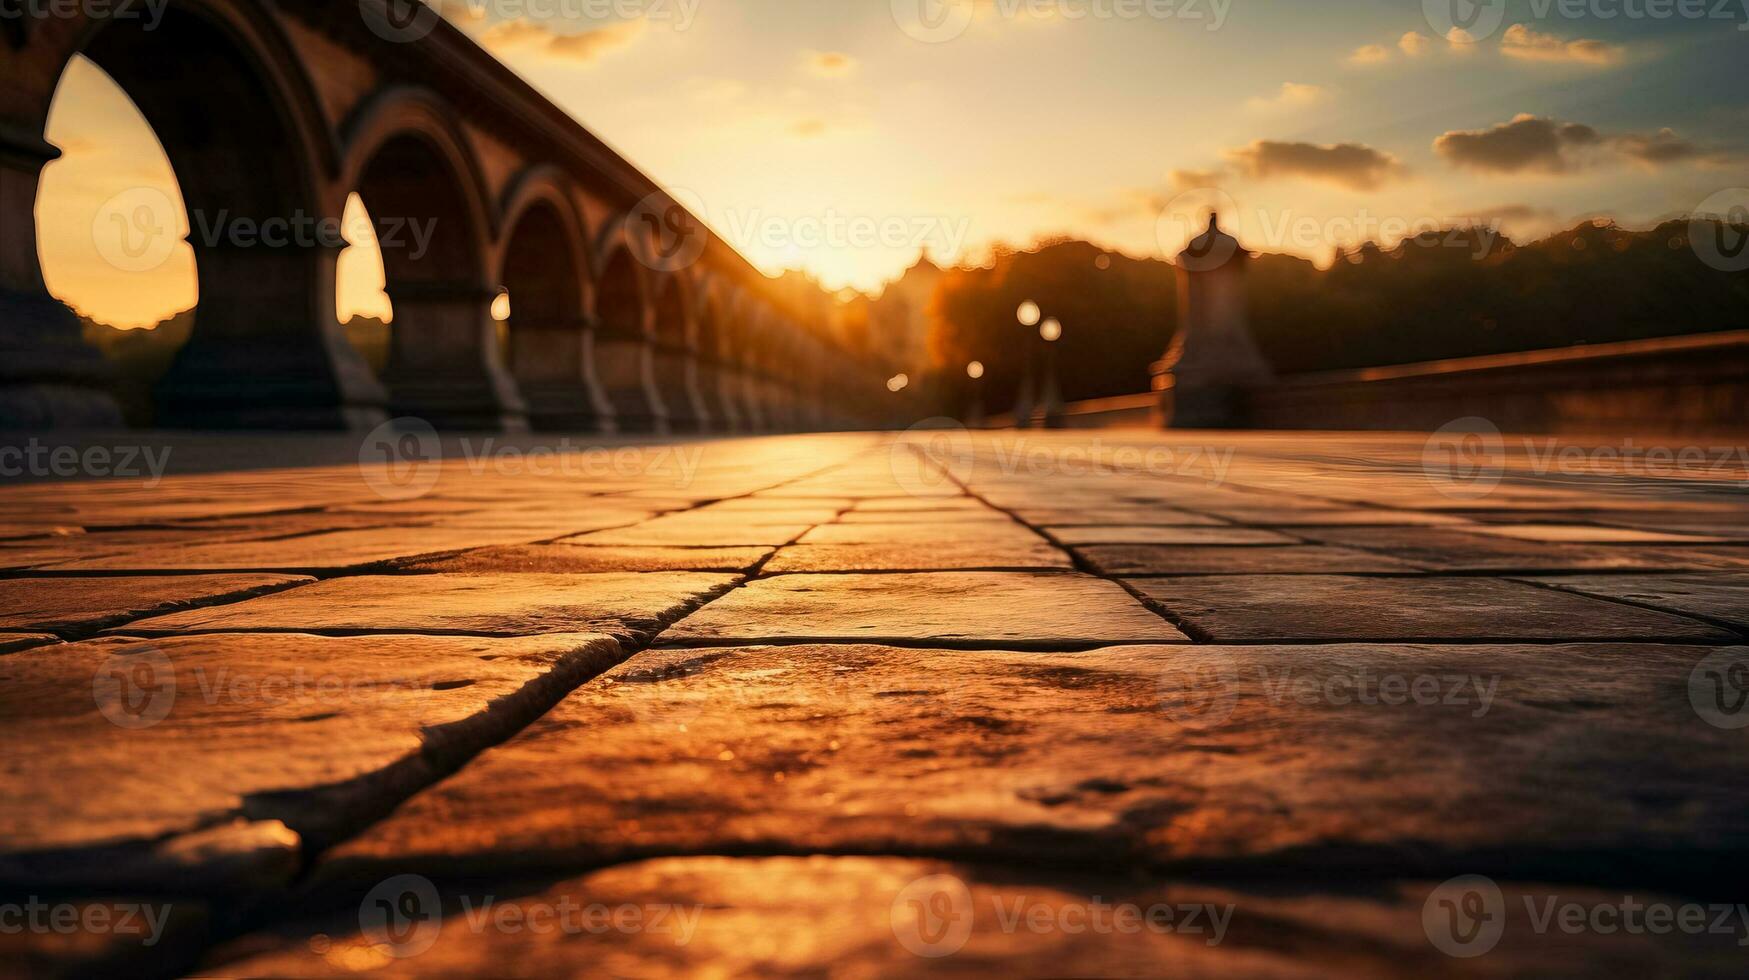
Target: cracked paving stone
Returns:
[[1310, 608], [726, 531], [572, 558], [629, 605], [953, 608], [897, 917], [13, 642], [1334, 517], [83, 605], [940, 556], [1721, 596], [1331, 761], [1444, 550], [1169, 535], [1159, 559], [207, 760]]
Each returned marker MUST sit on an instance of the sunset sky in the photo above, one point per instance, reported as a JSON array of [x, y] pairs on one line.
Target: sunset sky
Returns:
[[827, 136]]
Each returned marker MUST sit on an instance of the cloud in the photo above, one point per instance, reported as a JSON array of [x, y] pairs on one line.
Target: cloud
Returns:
[[1659, 149], [1351, 165], [809, 128], [1415, 44], [828, 64], [1293, 95], [1526, 144], [1370, 54], [1184, 180], [585, 48], [1525, 44], [1461, 40], [1532, 144]]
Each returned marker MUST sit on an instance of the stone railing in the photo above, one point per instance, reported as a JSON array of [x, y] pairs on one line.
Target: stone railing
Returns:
[[1693, 384]]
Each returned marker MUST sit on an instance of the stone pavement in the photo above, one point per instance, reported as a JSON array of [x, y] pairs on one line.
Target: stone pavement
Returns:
[[1045, 704]]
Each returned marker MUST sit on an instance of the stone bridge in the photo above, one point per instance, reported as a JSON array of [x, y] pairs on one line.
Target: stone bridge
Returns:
[[627, 314]]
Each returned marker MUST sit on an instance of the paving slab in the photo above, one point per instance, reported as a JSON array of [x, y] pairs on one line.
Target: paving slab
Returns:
[[1332, 762], [1333, 517], [952, 608], [1004, 554], [1169, 535], [1121, 516], [1719, 597], [207, 761], [1166, 559], [1444, 550], [926, 535], [629, 605], [1316, 608], [1587, 534], [335, 551], [724, 531], [569, 558], [891, 917], [76, 606]]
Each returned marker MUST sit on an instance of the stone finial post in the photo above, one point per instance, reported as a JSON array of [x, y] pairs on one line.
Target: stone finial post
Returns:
[[1202, 377]]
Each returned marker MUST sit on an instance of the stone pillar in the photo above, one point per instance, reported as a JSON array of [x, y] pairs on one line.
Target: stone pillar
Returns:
[[715, 383], [1203, 376], [266, 351], [48, 376], [626, 365], [744, 391], [444, 365], [676, 372], [554, 364]]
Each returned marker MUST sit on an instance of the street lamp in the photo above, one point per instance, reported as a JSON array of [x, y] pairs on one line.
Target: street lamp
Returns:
[[1028, 315], [975, 405], [1051, 331]]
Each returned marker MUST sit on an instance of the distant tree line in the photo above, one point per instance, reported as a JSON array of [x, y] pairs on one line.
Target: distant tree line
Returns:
[[1457, 293]]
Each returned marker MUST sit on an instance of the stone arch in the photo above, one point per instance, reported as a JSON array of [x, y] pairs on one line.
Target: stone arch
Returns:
[[421, 181], [542, 260], [218, 83], [624, 335], [677, 360]]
